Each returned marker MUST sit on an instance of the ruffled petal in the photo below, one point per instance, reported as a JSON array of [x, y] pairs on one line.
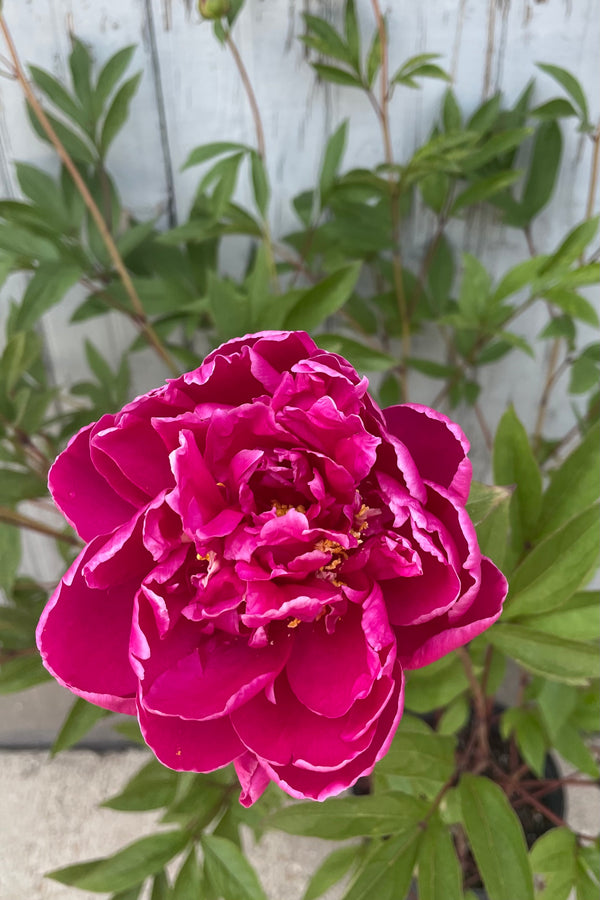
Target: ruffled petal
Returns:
[[420, 645], [436, 443], [83, 637], [82, 494]]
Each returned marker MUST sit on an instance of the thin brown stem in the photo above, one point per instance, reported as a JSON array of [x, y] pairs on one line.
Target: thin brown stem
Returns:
[[594, 174], [382, 110], [485, 428], [260, 135], [11, 517], [479, 702], [138, 309]]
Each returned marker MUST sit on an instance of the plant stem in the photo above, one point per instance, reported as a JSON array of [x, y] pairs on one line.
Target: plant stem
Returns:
[[139, 313], [260, 141], [547, 390], [382, 109], [11, 517], [485, 428], [594, 173], [479, 702]]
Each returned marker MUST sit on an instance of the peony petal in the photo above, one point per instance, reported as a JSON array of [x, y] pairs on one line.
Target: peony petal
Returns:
[[82, 494], [436, 443], [121, 558], [138, 452], [315, 785], [420, 645], [329, 672], [253, 777], [217, 677], [189, 746], [83, 637], [411, 601]]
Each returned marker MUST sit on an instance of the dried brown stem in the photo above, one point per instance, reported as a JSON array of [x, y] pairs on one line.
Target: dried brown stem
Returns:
[[138, 309], [382, 109], [11, 517]]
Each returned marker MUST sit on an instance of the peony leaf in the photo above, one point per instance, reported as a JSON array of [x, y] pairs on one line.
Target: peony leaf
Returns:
[[545, 654], [439, 871], [229, 871], [322, 300], [496, 838], [346, 817], [151, 788], [331, 870], [514, 464], [127, 867], [387, 872], [188, 884], [573, 486], [554, 570], [364, 359], [22, 672], [484, 499], [553, 863], [82, 716]]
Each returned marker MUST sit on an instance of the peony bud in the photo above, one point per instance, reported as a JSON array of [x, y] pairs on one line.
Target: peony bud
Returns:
[[213, 9]]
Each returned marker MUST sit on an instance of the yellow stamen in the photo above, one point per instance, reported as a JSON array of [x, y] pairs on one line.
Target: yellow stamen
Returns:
[[293, 623]]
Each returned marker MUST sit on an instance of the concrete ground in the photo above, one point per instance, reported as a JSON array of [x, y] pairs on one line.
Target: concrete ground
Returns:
[[49, 814]]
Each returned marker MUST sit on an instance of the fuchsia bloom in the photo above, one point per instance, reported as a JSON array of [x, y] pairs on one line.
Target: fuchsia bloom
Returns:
[[267, 551]]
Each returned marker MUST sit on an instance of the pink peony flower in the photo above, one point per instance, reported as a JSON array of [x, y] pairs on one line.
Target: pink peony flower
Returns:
[[267, 551]]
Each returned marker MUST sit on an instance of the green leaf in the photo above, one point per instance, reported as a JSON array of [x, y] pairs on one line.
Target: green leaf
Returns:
[[558, 108], [110, 75], [152, 787], [127, 867], [553, 864], [260, 183], [423, 761], [483, 499], [451, 112], [42, 190], [569, 743], [48, 286], [573, 486], [352, 34], [517, 278], [364, 359], [188, 884], [440, 875], [229, 870], [336, 76], [454, 717], [474, 289], [577, 619], [334, 151], [10, 555], [388, 870], [556, 568], [492, 533], [80, 63], [584, 375], [496, 838], [374, 58], [573, 304], [429, 367], [58, 95], [419, 67], [529, 735], [573, 245], [543, 169], [483, 189], [20, 353], [440, 276], [331, 870], [229, 307], [544, 654], [587, 873], [571, 86], [77, 148], [322, 37], [485, 116], [22, 672], [514, 463], [16, 486], [209, 151], [160, 887], [118, 112], [25, 243], [80, 719], [346, 817], [436, 685], [322, 300]]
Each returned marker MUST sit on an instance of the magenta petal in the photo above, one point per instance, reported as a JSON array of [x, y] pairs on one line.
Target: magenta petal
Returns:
[[287, 732], [81, 493], [121, 558], [307, 784], [411, 601], [436, 443], [83, 637], [253, 778], [420, 645], [329, 672], [189, 746], [216, 678], [138, 452]]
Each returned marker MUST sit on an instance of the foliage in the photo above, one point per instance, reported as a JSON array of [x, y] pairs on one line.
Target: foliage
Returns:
[[341, 274]]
